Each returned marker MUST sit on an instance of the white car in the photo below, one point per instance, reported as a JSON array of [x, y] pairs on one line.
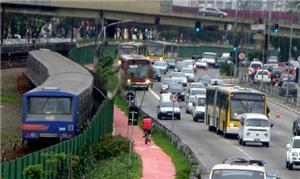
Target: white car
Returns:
[[201, 63], [165, 108], [188, 63], [198, 85], [199, 108], [189, 104], [189, 73], [262, 76], [164, 85], [179, 77], [293, 152], [210, 58], [253, 67], [162, 66], [254, 128], [238, 168]]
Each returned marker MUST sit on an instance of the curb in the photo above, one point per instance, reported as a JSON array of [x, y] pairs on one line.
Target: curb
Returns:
[[282, 105]]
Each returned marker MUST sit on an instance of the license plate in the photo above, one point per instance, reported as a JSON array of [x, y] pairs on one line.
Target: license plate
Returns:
[[256, 139]]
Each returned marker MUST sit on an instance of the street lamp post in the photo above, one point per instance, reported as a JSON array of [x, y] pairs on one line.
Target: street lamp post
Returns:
[[290, 49], [103, 31]]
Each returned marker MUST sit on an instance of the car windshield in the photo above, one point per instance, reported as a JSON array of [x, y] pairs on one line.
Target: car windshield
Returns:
[[208, 56], [49, 105], [179, 64], [237, 174], [171, 61], [255, 65], [198, 91], [197, 85], [138, 71], [201, 102], [178, 75], [160, 63], [176, 86], [188, 63], [296, 143], [187, 70], [155, 49], [167, 104], [257, 122]]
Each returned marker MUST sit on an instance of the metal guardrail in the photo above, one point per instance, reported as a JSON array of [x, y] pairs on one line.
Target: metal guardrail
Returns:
[[272, 91]]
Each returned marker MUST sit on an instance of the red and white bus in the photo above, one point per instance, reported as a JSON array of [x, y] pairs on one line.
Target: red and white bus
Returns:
[[136, 71]]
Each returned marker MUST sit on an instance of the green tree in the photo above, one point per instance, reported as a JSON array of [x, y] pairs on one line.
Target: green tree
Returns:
[[34, 171]]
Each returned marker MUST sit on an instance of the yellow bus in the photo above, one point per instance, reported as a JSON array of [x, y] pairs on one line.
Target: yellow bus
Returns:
[[130, 48], [226, 104], [160, 50]]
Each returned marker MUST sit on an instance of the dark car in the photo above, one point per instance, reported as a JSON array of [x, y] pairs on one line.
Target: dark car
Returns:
[[285, 78], [156, 75], [205, 79], [177, 88], [290, 86], [171, 63], [296, 126], [178, 66], [275, 76], [196, 57]]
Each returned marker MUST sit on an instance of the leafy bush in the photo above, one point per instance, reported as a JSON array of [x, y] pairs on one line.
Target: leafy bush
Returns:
[[227, 69], [117, 168], [110, 146], [34, 171]]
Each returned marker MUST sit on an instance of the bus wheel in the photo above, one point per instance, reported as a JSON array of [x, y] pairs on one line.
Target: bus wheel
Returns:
[[219, 132]]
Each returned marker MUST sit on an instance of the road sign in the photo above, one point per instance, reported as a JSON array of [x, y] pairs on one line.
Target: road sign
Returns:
[[257, 27], [133, 115], [173, 97], [242, 56], [130, 96]]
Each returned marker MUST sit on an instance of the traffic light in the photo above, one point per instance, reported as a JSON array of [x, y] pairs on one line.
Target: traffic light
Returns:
[[276, 28], [234, 49], [198, 26]]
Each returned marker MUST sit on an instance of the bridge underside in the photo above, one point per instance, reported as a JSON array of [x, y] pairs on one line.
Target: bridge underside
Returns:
[[176, 20]]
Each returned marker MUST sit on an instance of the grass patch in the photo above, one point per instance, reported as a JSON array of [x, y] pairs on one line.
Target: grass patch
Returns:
[[182, 166], [117, 168], [10, 98], [112, 83]]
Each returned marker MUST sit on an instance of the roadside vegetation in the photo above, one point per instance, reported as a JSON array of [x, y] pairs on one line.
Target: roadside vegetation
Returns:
[[182, 166], [10, 98], [227, 69], [107, 159]]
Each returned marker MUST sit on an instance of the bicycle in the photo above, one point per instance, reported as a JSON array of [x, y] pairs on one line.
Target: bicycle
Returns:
[[147, 136]]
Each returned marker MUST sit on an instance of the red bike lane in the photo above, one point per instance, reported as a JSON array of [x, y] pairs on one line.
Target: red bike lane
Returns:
[[156, 163]]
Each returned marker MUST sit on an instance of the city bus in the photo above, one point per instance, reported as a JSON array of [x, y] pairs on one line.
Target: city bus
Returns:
[[226, 104], [128, 48], [136, 71], [160, 50]]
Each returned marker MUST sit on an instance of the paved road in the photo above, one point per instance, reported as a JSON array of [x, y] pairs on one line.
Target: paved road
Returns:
[[211, 149]]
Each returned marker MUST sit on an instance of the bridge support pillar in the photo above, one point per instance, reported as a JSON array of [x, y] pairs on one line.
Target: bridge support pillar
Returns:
[[258, 38], [2, 24]]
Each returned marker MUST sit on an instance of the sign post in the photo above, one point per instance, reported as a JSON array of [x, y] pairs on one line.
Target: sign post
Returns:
[[173, 98]]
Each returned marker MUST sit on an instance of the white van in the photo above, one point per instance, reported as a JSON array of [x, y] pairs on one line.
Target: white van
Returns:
[[254, 128], [165, 108]]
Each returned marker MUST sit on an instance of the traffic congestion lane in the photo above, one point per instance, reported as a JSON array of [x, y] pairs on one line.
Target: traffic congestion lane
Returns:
[[206, 145]]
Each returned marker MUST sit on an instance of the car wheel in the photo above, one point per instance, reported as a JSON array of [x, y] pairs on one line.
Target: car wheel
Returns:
[[243, 143], [221, 15], [286, 164], [290, 166], [203, 14], [267, 144], [158, 116]]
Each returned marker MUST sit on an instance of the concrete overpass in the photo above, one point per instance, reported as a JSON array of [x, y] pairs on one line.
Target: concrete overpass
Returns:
[[141, 11]]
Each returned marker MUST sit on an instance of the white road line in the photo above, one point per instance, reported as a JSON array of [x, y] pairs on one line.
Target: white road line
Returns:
[[154, 94], [239, 149]]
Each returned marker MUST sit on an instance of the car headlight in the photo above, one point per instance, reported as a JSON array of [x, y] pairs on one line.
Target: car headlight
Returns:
[[160, 58], [147, 81], [128, 81], [185, 80], [231, 125], [147, 58], [295, 154], [119, 62]]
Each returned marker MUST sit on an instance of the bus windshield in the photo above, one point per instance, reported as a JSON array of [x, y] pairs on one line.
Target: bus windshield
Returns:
[[155, 49], [127, 50], [49, 105], [242, 106], [237, 174], [138, 70]]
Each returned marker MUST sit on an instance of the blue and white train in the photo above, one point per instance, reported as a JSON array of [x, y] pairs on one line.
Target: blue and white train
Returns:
[[61, 103]]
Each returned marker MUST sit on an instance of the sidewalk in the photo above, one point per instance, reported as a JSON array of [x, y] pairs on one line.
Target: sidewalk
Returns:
[[156, 164]]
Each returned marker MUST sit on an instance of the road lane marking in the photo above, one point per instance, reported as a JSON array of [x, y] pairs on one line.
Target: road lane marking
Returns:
[[239, 149], [154, 94]]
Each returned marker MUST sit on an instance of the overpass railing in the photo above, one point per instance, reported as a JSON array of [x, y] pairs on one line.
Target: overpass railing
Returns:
[[102, 123]]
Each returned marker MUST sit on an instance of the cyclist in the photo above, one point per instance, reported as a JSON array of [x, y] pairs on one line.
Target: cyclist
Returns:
[[147, 125]]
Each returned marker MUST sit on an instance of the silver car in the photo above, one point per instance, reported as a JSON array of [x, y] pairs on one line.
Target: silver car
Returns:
[[212, 11]]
